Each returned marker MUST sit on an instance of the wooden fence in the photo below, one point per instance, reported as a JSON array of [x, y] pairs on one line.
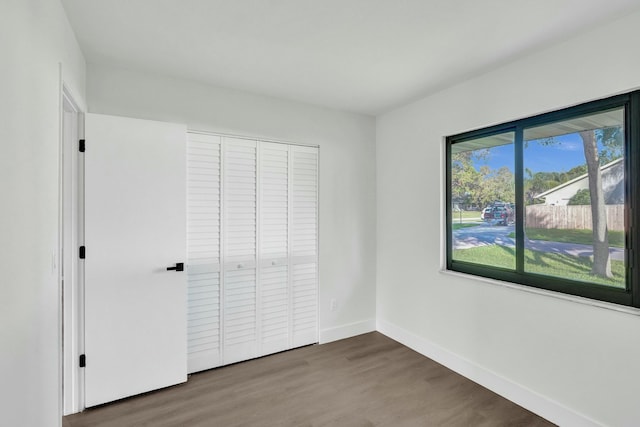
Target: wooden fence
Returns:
[[571, 217]]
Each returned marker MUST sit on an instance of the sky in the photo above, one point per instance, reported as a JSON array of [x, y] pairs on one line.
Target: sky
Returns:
[[560, 157]]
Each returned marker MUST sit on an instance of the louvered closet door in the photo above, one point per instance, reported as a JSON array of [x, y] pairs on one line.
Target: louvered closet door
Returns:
[[240, 325], [274, 301], [252, 245], [304, 245], [203, 243]]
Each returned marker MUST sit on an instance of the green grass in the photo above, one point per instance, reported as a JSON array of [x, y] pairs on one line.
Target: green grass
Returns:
[[584, 237], [548, 264], [466, 215], [457, 226]]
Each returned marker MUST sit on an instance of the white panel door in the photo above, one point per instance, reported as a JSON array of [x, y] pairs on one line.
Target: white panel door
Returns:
[[203, 243], [239, 310], [304, 245], [135, 310], [274, 269]]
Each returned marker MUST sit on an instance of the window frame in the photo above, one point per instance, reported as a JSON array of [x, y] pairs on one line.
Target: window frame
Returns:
[[629, 296]]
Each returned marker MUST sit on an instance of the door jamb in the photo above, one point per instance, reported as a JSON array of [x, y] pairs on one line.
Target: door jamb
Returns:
[[70, 272]]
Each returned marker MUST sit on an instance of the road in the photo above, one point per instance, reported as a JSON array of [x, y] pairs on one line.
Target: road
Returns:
[[485, 234]]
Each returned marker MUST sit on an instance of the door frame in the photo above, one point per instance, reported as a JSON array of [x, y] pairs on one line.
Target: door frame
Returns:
[[70, 271]]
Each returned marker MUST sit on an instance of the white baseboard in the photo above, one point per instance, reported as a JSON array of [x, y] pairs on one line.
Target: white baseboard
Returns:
[[534, 402], [347, 331]]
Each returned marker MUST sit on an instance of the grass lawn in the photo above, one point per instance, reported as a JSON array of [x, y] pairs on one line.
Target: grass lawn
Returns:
[[548, 264], [466, 215], [584, 237], [457, 225]]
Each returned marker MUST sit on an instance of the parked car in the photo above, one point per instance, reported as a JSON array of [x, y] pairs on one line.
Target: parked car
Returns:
[[503, 215], [499, 213], [486, 212]]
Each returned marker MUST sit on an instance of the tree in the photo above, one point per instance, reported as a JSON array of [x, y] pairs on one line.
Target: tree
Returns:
[[465, 179], [582, 197], [539, 182], [601, 259], [610, 139], [502, 184], [479, 186]]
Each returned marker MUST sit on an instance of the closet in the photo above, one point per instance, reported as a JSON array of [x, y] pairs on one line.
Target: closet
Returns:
[[252, 248]]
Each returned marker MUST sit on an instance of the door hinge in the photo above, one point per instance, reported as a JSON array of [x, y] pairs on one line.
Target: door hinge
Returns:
[[81, 145], [82, 252], [83, 360]]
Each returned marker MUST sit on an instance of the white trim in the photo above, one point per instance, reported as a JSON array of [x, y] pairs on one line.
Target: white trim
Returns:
[[347, 331], [57, 255], [70, 277], [254, 138], [517, 393], [81, 266], [317, 260]]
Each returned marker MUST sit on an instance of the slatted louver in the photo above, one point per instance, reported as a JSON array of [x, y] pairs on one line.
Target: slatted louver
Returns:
[[239, 309], [203, 321], [274, 182], [305, 303], [304, 244], [253, 261], [274, 244], [203, 209], [203, 251], [240, 227]]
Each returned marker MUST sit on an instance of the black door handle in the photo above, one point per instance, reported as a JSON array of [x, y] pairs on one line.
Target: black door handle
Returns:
[[179, 267]]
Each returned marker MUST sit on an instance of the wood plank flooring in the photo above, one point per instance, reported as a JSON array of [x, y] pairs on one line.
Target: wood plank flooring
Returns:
[[368, 380]]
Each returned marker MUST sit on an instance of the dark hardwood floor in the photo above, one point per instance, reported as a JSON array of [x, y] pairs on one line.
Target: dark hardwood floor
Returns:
[[368, 380]]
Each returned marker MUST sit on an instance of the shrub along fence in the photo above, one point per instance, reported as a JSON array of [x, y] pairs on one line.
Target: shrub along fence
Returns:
[[571, 217]]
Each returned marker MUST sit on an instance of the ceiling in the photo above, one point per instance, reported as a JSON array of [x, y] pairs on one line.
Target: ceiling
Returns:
[[363, 56]]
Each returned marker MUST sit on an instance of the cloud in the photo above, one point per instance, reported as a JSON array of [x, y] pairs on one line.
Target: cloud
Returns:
[[569, 146]]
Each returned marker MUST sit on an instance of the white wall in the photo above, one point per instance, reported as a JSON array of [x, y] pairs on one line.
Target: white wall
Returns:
[[347, 170], [582, 358], [35, 38]]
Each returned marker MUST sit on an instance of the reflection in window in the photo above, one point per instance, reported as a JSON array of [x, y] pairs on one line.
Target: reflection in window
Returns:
[[548, 201], [574, 190], [483, 201]]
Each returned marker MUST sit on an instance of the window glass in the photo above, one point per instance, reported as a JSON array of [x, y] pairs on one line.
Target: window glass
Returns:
[[482, 198], [548, 201], [574, 198]]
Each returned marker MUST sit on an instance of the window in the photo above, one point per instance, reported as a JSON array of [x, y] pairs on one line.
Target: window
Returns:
[[546, 201]]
